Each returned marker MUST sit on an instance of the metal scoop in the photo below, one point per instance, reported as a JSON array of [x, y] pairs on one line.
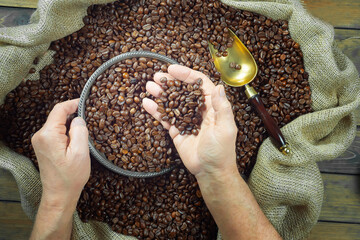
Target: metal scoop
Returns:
[[240, 55]]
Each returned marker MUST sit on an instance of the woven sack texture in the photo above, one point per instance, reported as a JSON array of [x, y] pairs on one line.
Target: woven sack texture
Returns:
[[288, 189]]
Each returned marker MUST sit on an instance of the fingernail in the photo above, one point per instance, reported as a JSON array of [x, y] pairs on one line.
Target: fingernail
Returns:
[[222, 91], [78, 121]]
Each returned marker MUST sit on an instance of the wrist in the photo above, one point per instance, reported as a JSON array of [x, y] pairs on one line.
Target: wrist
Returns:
[[54, 217], [61, 202], [220, 175]]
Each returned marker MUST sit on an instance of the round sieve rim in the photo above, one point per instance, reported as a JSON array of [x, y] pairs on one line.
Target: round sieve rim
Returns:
[[99, 156]]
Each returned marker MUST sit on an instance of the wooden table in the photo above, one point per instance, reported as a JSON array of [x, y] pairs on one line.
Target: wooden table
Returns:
[[340, 215]]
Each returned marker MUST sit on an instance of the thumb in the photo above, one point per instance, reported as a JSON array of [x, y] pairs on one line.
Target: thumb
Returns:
[[223, 111], [78, 137]]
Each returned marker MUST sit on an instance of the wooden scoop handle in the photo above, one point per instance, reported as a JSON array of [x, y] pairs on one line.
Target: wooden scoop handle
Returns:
[[271, 127]]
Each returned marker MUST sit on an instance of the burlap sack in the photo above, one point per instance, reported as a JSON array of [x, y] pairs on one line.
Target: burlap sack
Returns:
[[288, 189]]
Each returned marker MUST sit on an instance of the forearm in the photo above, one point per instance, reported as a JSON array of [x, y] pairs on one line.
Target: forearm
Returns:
[[54, 219], [234, 207]]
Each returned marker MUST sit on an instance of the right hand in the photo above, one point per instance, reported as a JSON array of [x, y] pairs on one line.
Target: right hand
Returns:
[[212, 151]]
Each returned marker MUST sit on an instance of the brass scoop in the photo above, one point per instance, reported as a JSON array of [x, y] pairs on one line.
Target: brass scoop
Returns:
[[240, 55]]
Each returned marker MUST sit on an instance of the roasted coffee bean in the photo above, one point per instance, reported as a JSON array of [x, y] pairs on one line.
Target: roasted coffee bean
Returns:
[[181, 30], [176, 91], [235, 66]]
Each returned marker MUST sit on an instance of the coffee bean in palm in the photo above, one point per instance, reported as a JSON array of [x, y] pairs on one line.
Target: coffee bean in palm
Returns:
[[181, 104]]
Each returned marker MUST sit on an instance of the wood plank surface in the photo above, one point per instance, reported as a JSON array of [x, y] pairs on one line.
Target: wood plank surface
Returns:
[[335, 231], [10, 17], [343, 14], [19, 3], [341, 198], [8, 187], [347, 163], [14, 224], [349, 43]]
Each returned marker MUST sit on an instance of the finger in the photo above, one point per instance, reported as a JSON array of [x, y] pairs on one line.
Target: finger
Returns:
[[151, 107], [222, 108], [58, 115], [190, 76], [179, 139], [160, 75], [154, 88], [79, 135], [174, 132]]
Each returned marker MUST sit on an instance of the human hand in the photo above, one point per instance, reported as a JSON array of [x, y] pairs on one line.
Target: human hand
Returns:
[[64, 161], [212, 151], [211, 157]]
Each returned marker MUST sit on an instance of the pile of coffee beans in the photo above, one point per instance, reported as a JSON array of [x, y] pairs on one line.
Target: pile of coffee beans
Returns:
[[223, 41], [119, 126], [180, 30], [181, 104]]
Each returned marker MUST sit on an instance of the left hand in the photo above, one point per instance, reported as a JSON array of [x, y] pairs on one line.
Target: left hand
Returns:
[[64, 161]]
